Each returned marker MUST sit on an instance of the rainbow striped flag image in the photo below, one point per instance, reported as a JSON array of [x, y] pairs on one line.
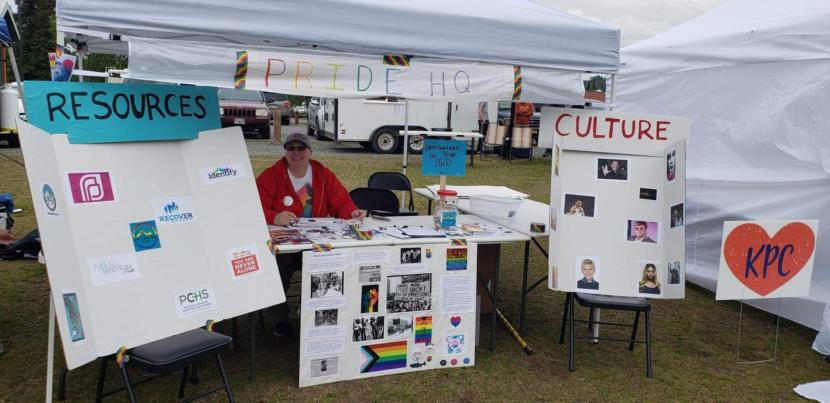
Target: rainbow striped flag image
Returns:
[[423, 329], [383, 357], [457, 259]]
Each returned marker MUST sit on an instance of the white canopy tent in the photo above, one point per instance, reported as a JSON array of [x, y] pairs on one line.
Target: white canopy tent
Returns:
[[754, 77], [488, 38]]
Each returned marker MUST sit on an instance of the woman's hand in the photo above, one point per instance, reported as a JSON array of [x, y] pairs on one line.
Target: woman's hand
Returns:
[[285, 218], [359, 214]]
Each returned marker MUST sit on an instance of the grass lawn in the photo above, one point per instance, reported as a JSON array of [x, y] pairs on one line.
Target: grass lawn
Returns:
[[694, 339]]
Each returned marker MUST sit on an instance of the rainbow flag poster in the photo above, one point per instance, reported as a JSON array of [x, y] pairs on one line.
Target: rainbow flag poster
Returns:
[[423, 329], [382, 357], [457, 259]]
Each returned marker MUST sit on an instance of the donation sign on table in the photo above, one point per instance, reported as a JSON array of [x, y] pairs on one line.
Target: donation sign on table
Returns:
[[617, 195], [382, 310], [766, 259], [142, 239]]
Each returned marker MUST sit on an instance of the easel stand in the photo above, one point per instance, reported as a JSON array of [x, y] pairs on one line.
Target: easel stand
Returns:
[[739, 361]]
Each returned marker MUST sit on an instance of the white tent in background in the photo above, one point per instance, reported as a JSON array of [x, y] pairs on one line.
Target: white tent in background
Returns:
[[553, 48], [754, 77]]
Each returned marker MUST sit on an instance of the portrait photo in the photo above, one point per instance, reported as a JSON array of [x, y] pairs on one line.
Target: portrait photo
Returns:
[[673, 272], [649, 282], [579, 205], [642, 231], [671, 165], [677, 216], [612, 169], [587, 271]]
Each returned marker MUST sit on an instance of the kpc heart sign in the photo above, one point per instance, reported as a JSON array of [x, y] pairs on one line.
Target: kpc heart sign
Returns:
[[766, 259]]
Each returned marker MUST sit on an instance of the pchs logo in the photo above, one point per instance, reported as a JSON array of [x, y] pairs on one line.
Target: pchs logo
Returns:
[[194, 296], [90, 187], [195, 300]]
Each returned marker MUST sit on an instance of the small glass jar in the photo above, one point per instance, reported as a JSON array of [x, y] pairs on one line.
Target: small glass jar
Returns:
[[446, 210]]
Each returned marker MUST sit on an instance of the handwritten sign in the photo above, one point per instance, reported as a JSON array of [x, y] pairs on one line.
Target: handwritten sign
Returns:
[[444, 157], [755, 265], [110, 113]]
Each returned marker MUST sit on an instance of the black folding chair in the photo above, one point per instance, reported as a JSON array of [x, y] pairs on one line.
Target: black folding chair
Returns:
[[380, 202], [393, 181]]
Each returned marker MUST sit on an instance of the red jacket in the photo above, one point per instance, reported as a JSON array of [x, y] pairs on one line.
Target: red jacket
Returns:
[[330, 198]]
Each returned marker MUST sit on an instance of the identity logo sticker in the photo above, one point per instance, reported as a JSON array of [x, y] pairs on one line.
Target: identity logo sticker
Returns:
[[174, 210], [222, 173], [145, 235], [90, 187], [243, 261], [195, 300], [113, 269]]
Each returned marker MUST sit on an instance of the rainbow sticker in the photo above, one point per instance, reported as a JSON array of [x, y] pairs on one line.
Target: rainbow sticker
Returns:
[[423, 329], [457, 259], [241, 69], [382, 357]]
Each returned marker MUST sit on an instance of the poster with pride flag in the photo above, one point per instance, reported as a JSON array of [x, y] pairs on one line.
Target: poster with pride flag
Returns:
[[388, 313]]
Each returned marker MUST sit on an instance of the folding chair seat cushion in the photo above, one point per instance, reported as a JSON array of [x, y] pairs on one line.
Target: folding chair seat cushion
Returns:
[[611, 302], [172, 353]]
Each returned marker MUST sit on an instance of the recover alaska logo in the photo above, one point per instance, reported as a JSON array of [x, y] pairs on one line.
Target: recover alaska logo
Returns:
[[222, 173], [174, 210], [90, 187], [243, 261]]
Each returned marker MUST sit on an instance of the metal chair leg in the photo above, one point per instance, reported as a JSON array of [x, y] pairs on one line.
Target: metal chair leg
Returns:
[[649, 372], [591, 319], [225, 382], [564, 318], [261, 320], [183, 382], [634, 331], [252, 347], [194, 373], [102, 373], [127, 384], [571, 330], [62, 385]]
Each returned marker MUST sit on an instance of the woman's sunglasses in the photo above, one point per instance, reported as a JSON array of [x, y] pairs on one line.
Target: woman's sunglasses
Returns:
[[296, 148]]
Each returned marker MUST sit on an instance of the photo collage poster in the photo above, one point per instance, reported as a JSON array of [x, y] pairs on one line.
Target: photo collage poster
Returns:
[[138, 240], [373, 311], [617, 203]]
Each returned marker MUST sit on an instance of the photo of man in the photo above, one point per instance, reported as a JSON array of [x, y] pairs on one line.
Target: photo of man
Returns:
[[613, 169], [642, 231], [579, 205], [588, 269]]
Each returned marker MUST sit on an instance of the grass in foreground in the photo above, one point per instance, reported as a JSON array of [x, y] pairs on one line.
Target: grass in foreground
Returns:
[[694, 339]]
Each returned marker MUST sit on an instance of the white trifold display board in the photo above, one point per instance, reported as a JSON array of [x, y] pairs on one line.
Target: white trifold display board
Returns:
[[383, 310], [145, 240], [614, 172]]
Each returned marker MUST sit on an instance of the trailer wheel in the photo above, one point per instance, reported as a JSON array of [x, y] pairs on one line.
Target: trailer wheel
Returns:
[[416, 144], [385, 141]]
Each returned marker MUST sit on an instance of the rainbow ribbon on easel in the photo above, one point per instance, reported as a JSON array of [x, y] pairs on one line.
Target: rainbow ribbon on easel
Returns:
[[241, 69], [321, 247], [121, 356], [458, 242]]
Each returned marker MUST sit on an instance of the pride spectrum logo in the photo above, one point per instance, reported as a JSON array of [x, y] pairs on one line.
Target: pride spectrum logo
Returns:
[[91, 187]]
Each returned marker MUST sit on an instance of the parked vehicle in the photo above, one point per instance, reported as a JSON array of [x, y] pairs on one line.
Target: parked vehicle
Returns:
[[315, 117], [245, 108], [278, 103], [300, 110], [375, 123]]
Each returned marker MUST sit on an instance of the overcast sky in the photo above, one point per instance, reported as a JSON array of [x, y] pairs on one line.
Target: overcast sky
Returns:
[[638, 19]]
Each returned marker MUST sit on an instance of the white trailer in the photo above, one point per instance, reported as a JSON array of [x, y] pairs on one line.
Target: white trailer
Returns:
[[375, 123]]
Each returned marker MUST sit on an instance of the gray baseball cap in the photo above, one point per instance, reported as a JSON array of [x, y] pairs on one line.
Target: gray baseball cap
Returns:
[[297, 136]]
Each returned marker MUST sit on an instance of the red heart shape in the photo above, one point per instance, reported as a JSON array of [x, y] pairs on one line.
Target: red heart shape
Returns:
[[797, 238]]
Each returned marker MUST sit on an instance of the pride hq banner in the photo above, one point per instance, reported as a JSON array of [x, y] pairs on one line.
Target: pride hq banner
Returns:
[[110, 113]]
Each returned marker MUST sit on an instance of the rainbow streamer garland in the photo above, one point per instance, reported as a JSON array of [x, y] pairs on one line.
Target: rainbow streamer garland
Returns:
[[383, 357], [396, 60], [241, 69], [423, 329], [517, 82]]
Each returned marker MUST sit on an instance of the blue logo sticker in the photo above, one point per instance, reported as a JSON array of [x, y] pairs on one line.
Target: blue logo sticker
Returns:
[[49, 198], [145, 235]]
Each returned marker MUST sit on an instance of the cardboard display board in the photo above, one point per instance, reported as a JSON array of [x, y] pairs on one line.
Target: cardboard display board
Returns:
[[766, 259], [617, 195], [145, 240], [385, 310]]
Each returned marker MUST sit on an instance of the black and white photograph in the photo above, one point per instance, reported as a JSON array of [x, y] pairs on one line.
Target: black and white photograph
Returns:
[[612, 169], [324, 366], [579, 205], [677, 215], [365, 329], [673, 272], [327, 284], [410, 255], [409, 293], [671, 165], [369, 274], [325, 317], [399, 326]]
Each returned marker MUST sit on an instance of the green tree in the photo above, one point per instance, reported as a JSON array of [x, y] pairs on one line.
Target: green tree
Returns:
[[36, 21], [595, 83]]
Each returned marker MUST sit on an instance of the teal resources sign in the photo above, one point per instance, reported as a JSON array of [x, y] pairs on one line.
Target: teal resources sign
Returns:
[[111, 113]]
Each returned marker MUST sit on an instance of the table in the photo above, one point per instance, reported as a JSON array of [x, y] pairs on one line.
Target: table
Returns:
[[529, 211], [507, 236]]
